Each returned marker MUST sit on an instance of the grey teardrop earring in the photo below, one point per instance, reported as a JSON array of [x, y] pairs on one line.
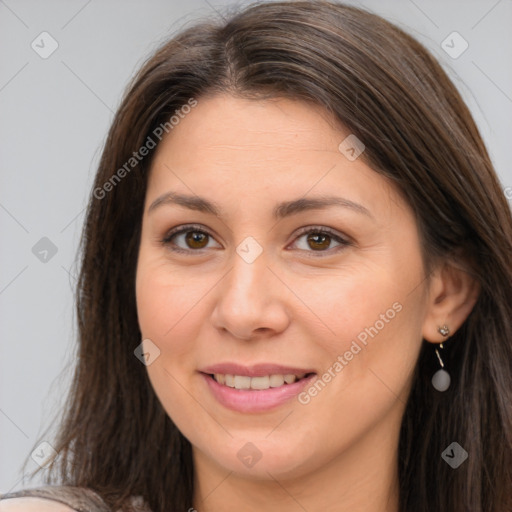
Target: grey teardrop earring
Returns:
[[441, 379]]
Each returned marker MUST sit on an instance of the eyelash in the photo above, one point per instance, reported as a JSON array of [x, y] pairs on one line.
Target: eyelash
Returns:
[[305, 231]]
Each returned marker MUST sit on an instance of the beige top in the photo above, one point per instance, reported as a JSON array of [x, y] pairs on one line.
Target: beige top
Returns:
[[79, 499]]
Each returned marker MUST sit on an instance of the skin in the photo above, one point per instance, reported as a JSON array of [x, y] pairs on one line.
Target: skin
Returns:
[[337, 452]]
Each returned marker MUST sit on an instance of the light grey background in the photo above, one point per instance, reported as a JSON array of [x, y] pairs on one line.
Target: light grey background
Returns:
[[54, 115]]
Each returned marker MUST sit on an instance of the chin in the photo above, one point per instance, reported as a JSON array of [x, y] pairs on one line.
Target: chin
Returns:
[[263, 458]]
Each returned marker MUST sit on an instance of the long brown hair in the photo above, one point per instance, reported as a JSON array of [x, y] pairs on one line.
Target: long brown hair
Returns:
[[387, 89]]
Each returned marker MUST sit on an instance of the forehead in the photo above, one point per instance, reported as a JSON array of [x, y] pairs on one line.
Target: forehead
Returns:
[[279, 148], [223, 119]]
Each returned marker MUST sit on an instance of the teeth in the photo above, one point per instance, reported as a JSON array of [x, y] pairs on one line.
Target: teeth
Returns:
[[276, 381], [242, 382], [265, 382], [260, 382]]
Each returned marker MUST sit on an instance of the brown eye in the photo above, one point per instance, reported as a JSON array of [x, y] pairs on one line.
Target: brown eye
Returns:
[[196, 239], [187, 239], [319, 241]]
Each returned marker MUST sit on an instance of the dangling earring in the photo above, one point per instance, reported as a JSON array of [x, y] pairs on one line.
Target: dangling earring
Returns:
[[441, 379]]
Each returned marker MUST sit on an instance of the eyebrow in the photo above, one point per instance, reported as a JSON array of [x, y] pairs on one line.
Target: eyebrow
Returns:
[[284, 209]]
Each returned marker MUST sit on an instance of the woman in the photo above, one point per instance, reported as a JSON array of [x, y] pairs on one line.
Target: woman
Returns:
[[295, 283]]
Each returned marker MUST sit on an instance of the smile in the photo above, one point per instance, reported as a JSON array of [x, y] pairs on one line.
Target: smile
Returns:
[[254, 388], [257, 383]]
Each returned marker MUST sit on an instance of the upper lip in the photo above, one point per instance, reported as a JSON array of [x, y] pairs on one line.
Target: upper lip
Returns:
[[257, 370]]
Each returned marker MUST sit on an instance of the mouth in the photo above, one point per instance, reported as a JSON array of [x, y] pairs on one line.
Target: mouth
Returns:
[[259, 383], [254, 389]]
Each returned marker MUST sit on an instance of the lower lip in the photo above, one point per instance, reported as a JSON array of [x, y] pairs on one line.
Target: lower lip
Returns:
[[255, 400]]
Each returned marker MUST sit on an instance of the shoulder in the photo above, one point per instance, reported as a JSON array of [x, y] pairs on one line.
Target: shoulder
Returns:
[[61, 498], [33, 504]]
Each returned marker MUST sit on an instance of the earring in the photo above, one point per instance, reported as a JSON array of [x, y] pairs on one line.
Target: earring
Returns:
[[441, 379]]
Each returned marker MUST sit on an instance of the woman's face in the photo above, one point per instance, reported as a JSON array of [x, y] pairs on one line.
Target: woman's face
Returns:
[[262, 285]]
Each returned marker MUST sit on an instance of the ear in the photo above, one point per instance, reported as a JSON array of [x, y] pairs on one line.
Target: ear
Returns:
[[452, 294]]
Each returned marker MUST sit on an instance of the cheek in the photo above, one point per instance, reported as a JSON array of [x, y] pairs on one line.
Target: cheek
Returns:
[[165, 297], [167, 316], [170, 309], [371, 316], [164, 316], [361, 301]]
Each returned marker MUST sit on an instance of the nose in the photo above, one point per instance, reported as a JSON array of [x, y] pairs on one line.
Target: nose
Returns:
[[251, 300]]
